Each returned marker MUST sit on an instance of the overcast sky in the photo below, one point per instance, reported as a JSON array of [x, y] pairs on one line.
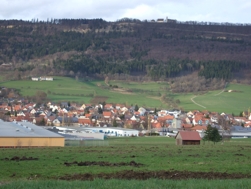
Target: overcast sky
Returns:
[[234, 11]]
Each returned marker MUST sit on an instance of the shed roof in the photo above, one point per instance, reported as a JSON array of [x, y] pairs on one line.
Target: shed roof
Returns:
[[189, 135], [24, 129]]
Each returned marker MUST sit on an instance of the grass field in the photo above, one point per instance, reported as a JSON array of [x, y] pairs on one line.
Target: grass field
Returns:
[[229, 102], [145, 94], [154, 153], [68, 89]]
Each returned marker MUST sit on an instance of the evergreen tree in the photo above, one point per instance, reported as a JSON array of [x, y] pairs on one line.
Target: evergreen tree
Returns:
[[212, 134], [136, 108], [155, 111], [215, 135], [100, 111]]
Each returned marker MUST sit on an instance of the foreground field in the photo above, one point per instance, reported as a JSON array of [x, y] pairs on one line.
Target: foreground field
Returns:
[[145, 94], [154, 159]]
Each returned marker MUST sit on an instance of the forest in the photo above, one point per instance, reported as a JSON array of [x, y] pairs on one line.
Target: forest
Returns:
[[159, 51]]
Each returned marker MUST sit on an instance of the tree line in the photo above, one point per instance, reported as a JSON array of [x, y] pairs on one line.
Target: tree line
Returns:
[[152, 68]]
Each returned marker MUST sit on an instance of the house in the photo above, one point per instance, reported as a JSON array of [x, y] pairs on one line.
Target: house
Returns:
[[35, 79], [119, 106], [186, 126], [49, 78], [142, 111], [108, 107], [84, 121], [160, 20], [188, 138], [56, 122], [176, 123], [107, 116]]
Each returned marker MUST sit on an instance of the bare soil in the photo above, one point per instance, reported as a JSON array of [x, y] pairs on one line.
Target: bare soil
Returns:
[[24, 158], [98, 99], [103, 163], [144, 175]]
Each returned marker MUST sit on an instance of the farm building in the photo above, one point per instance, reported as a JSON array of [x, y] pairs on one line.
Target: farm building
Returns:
[[25, 134], [188, 138]]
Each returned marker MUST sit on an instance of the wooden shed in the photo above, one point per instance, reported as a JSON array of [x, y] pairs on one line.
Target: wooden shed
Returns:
[[25, 134], [188, 138]]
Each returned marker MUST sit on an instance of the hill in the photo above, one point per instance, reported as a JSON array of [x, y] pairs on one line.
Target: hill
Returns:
[[128, 49]]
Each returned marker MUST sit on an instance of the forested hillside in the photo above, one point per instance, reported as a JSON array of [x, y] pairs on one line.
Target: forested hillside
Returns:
[[124, 49]]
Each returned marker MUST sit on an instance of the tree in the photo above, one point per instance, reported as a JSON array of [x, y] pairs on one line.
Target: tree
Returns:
[[212, 134], [225, 124], [136, 108], [107, 80], [40, 96], [155, 111], [114, 123], [100, 111]]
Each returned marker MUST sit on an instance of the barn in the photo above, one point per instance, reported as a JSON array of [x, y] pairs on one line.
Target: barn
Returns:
[[25, 134], [188, 138]]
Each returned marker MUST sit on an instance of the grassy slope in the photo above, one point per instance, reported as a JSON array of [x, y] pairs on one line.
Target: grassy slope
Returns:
[[144, 94], [156, 153], [233, 102], [68, 89]]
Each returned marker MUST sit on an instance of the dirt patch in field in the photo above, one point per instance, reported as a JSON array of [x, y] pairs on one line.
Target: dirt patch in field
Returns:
[[99, 99], [154, 97], [122, 91], [24, 158], [144, 175], [103, 163]]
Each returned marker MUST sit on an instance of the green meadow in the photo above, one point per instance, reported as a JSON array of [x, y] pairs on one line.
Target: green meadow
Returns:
[[236, 101], [145, 94], [153, 153]]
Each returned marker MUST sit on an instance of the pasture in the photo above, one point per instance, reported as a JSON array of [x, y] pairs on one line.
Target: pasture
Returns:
[[142, 162], [145, 94], [68, 89], [236, 101]]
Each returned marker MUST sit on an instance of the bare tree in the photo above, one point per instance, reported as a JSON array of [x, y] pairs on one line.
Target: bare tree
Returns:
[[224, 122]]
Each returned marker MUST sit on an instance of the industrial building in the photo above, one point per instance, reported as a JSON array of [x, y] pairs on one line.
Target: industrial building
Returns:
[[25, 134], [113, 131]]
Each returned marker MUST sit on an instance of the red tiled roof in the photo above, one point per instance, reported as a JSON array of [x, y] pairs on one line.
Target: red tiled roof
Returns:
[[17, 107], [156, 125], [189, 135], [108, 106], [136, 113], [185, 125], [199, 127], [84, 121], [87, 115], [107, 113], [167, 117]]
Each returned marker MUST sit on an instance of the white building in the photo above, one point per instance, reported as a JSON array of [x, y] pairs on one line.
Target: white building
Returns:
[[35, 79]]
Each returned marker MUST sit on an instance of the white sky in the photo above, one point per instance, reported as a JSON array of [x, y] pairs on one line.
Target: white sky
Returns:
[[233, 11]]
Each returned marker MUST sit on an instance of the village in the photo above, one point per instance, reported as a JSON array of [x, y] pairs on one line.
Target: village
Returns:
[[98, 121]]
